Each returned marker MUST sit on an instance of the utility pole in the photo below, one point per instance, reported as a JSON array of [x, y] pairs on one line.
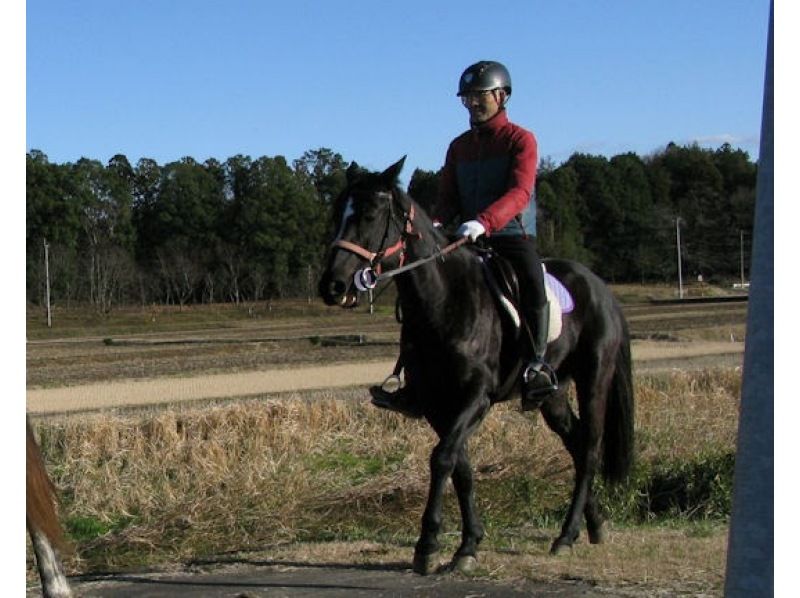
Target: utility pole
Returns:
[[47, 282], [680, 268], [741, 255]]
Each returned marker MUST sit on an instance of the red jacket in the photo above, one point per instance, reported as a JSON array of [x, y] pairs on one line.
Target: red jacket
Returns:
[[489, 175]]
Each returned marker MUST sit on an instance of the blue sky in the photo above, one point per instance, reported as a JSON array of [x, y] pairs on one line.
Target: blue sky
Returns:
[[376, 80]]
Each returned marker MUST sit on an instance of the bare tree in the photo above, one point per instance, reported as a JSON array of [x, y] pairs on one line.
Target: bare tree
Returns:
[[181, 269]]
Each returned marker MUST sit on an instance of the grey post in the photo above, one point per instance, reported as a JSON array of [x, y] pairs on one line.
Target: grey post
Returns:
[[750, 569]]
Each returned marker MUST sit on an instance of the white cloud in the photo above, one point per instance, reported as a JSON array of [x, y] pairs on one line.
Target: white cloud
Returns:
[[734, 140]]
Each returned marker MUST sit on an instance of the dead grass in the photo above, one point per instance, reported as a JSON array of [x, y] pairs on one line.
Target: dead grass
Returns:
[[686, 413], [635, 293], [163, 485]]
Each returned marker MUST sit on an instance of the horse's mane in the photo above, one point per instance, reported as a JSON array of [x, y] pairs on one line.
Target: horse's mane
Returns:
[[422, 220]]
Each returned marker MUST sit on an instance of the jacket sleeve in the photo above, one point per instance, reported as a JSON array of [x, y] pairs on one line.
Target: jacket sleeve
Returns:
[[521, 181]]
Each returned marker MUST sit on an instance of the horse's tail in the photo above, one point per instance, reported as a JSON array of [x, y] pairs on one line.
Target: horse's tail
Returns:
[[40, 495], [618, 436]]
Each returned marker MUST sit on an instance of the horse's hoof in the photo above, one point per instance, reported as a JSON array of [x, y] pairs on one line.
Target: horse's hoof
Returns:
[[597, 535], [465, 564], [425, 564], [560, 547]]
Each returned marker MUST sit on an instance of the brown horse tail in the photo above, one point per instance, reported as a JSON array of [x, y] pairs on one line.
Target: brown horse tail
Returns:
[[40, 498], [618, 454]]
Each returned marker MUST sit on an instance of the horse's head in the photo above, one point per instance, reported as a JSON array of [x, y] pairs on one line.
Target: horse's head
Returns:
[[371, 218]]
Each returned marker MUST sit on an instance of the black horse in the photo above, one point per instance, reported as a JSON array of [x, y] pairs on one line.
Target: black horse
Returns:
[[464, 351]]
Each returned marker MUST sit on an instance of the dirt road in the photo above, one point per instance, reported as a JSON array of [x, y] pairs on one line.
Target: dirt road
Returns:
[[647, 355], [332, 581]]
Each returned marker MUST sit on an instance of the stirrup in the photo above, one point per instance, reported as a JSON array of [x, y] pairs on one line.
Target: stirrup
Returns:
[[383, 395], [394, 400], [391, 385], [538, 379]]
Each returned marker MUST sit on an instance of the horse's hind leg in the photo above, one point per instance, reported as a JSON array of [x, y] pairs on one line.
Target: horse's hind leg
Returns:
[[560, 418], [593, 402], [582, 439]]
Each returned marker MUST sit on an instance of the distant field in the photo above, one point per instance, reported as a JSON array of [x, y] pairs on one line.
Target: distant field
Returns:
[[145, 343], [83, 321]]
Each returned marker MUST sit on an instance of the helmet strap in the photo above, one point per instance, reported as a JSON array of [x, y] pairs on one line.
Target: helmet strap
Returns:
[[501, 97]]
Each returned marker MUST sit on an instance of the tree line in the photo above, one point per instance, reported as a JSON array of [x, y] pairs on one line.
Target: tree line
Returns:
[[253, 229]]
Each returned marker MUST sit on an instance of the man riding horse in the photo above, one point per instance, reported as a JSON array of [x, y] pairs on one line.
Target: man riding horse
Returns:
[[488, 181]]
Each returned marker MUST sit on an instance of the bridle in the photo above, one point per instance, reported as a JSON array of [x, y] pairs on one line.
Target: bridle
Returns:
[[369, 277], [376, 257]]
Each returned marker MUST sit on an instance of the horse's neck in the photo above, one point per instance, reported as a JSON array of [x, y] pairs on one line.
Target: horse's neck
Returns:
[[425, 292]]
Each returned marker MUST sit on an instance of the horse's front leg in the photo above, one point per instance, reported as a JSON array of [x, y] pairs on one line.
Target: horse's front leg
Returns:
[[426, 551], [444, 459], [471, 526]]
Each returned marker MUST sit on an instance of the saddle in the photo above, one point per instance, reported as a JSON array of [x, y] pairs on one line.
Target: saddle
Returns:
[[502, 281]]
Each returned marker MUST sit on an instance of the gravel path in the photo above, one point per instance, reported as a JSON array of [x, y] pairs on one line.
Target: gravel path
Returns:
[[647, 355]]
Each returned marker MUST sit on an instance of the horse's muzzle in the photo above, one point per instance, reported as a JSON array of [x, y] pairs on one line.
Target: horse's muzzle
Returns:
[[337, 292]]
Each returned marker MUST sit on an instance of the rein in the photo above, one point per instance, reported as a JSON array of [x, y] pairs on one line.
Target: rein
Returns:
[[416, 263]]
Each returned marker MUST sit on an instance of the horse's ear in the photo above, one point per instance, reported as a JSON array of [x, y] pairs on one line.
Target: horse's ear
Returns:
[[352, 171], [390, 174]]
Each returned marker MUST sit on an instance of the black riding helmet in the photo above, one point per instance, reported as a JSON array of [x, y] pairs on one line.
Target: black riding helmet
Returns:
[[484, 76]]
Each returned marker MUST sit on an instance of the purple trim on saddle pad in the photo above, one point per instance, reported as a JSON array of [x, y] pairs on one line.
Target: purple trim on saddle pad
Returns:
[[561, 293]]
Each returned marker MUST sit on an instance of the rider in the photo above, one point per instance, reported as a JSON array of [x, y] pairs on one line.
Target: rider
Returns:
[[488, 181]]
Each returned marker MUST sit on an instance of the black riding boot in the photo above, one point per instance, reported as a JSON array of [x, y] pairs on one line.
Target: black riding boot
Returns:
[[401, 400], [538, 379]]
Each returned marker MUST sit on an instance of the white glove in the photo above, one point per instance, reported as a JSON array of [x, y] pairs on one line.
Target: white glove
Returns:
[[472, 229]]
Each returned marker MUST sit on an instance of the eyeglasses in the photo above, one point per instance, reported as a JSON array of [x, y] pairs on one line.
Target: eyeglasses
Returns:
[[478, 95]]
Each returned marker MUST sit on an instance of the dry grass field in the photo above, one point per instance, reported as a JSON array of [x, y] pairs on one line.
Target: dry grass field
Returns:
[[322, 476], [325, 475]]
